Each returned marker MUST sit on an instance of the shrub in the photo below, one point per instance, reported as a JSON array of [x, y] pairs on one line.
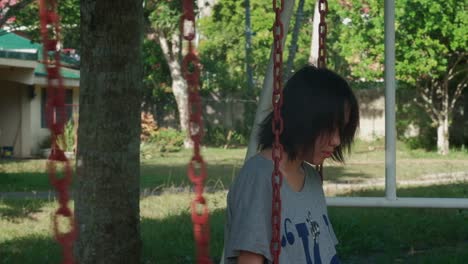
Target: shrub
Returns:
[[65, 141], [219, 136], [148, 126], [167, 140]]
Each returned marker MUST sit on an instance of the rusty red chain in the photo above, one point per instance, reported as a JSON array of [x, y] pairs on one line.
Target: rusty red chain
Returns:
[[277, 128], [322, 56], [56, 118], [322, 51], [197, 167]]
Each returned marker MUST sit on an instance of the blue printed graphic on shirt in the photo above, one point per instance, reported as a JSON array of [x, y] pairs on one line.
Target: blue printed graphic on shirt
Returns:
[[307, 233]]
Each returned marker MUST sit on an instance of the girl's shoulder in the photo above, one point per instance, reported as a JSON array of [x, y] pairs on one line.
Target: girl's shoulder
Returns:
[[256, 169]]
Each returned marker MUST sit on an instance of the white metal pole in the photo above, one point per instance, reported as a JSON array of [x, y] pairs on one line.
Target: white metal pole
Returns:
[[398, 202], [390, 130]]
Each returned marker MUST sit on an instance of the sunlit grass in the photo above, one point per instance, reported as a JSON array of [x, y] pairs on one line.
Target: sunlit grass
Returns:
[[367, 235]]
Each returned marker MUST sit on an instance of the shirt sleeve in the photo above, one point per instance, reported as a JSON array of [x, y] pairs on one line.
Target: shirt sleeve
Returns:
[[332, 232], [249, 214]]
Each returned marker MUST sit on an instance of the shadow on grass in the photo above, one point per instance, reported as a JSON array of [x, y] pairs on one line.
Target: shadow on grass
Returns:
[[366, 235], [170, 240], [24, 182], [405, 235], [30, 250], [153, 177], [342, 174], [15, 210], [220, 176]]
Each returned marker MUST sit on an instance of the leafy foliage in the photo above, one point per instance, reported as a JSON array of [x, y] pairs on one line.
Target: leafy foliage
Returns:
[[222, 45], [27, 20], [157, 96], [431, 40], [148, 126], [220, 136], [163, 140]]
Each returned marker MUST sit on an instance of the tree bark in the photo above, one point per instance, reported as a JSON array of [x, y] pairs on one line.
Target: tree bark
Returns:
[[171, 51], [108, 160], [314, 42], [295, 35], [443, 136]]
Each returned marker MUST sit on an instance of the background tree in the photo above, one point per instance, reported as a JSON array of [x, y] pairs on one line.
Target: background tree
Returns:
[[27, 21], [157, 91], [294, 39], [10, 8], [222, 49], [108, 160], [163, 18], [431, 38]]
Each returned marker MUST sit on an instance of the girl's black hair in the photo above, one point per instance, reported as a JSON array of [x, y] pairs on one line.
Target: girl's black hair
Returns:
[[314, 104]]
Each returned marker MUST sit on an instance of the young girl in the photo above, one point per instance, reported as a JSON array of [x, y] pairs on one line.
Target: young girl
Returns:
[[321, 115]]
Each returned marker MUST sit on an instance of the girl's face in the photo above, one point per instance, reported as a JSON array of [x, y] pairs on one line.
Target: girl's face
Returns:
[[325, 145]]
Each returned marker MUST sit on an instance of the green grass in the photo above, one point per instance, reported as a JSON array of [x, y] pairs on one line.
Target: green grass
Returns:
[[166, 170], [159, 172], [366, 235]]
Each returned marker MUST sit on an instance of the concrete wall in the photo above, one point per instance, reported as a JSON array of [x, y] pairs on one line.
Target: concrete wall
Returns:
[[10, 115], [230, 112], [38, 133], [20, 117], [372, 114], [15, 117], [17, 75]]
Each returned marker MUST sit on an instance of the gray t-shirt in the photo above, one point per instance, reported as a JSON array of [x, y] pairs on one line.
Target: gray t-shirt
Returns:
[[306, 233]]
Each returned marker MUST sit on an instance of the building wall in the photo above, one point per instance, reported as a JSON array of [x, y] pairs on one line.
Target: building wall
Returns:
[[26, 97], [11, 115], [40, 134], [372, 114], [372, 122]]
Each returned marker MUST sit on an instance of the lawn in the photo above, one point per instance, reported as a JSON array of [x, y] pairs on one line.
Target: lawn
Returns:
[[367, 235], [165, 170]]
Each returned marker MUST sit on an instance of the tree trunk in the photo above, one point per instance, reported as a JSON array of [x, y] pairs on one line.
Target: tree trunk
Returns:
[[443, 121], [314, 42], [171, 51], [108, 163], [179, 89], [443, 136], [295, 35]]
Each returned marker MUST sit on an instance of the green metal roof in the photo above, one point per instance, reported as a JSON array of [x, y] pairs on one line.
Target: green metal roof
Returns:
[[13, 46], [11, 41], [66, 73]]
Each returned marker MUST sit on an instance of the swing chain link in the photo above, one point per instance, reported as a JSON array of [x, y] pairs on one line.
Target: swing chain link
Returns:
[[277, 128], [197, 167], [322, 56], [55, 119]]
